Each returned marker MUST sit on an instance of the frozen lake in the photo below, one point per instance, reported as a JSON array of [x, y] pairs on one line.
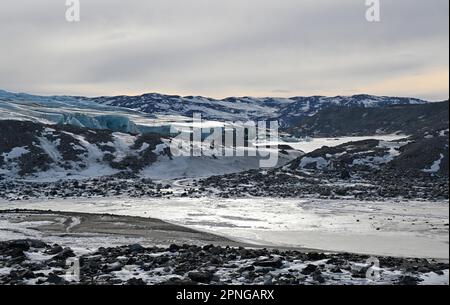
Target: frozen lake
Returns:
[[411, 229]]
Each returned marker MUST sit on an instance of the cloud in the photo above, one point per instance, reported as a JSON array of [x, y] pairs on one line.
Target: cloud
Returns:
[[221, 48]]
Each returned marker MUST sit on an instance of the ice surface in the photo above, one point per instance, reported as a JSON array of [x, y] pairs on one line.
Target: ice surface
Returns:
[[77, 113], [316, 143], [397, 228], [433, 278]]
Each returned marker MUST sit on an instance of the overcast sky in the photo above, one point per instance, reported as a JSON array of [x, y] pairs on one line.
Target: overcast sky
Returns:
[[224, 48]]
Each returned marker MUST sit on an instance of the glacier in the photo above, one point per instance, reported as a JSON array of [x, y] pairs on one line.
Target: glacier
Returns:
[[69, 110]]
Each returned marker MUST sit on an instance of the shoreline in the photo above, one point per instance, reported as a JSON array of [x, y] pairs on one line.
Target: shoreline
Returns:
[[147, 231], [398, 229], [129, 250]]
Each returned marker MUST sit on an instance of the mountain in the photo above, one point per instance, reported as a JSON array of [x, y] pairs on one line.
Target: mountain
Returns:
[[286, 110], [305, 107], [125, 113], [357, 121]]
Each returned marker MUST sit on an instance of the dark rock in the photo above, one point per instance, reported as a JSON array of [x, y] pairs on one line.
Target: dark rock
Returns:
[[309, 269], [246, 268], [336, 270], [27, 274], [216, 250], [54, 279], [136, 282], [317, 276], [408, 280], [200, 277], [274, 263], [174, 248], [177, 281], [16, 253], [64, 254], [216, 260], [55, 249], [361, 273], [136, 248], [22, 245]]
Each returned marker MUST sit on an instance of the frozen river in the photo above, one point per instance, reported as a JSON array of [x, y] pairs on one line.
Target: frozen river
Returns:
[[412, 229]]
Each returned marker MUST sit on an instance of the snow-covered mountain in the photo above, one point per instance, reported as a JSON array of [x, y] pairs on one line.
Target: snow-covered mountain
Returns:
[[287, 110], [115, 112]]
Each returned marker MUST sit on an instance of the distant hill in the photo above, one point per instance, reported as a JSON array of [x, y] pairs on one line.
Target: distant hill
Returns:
[[288, 111], [358, 121]]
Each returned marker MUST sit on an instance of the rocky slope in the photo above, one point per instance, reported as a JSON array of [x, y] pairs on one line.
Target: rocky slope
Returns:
[[416, 167], [46, 153], [38, 263], [358, 121], [414, 155], [28, 148]]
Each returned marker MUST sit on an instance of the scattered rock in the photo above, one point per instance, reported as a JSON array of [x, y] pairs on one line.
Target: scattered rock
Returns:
[[317, 276]]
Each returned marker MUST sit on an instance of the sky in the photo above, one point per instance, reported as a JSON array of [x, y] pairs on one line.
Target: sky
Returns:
[[221, 48]]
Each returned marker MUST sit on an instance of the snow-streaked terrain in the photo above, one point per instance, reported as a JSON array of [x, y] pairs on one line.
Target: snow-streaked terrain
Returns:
[[311, 144], [403, 228], [165, 167]]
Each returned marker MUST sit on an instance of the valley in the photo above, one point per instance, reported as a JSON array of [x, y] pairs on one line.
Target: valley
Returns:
[[99, 177]]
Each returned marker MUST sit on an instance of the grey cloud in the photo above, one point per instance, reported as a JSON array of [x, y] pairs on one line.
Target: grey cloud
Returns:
[[219, 47]]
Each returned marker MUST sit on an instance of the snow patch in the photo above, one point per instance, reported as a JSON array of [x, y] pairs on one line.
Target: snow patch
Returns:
[[320, 162], [50, 148], [436, 166], [15, 153]]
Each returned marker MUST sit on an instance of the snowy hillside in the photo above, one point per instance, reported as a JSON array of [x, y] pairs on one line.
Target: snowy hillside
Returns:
[[412, 167], [60, 151], [51, 152]]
